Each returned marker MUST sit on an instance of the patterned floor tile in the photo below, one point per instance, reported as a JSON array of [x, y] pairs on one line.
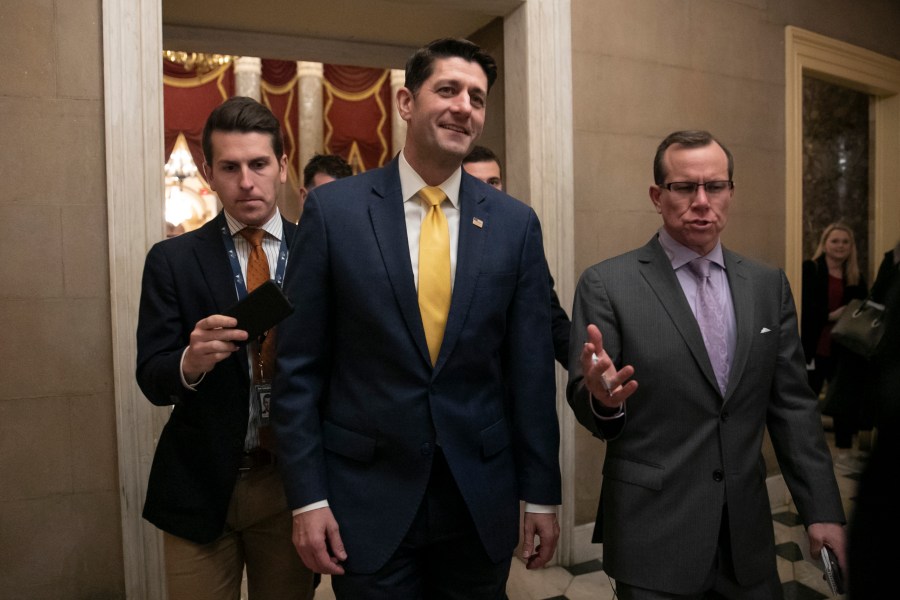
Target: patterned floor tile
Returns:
[[789, 518], [794, 590], [790, 551], [585, 567]]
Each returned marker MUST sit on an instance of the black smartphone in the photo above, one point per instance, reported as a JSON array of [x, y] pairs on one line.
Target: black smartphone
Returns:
[[261, 309], [833, 574]]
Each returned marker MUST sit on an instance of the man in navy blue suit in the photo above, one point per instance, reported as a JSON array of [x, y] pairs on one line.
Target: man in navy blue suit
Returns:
[[405, 456], [214, 489]]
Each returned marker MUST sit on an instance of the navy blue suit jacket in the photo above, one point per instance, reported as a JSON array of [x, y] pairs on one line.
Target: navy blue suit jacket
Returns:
[[358, 407], [186, 279]]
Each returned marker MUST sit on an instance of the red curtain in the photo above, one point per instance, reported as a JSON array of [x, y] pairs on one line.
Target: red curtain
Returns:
[[279, 91], [357, 105], [357, 108], [188, 99]]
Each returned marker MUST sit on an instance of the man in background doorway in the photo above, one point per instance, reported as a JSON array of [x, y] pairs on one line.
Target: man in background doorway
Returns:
[[322, 169], [483, 164]]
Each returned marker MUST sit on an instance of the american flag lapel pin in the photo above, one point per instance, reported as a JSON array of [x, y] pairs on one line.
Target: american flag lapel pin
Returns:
[[477, 222]]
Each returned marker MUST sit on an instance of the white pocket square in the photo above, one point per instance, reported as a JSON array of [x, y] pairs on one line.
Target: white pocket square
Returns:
[[765, 330]]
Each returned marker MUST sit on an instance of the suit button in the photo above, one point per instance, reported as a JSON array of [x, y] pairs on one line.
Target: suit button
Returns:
[[427, 448], [724, 416], [718, 475]]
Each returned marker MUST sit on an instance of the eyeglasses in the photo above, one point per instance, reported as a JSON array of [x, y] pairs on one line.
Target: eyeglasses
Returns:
[[689, 188]]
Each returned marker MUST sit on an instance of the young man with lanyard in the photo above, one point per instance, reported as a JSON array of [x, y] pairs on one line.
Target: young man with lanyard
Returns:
[[214, 487]]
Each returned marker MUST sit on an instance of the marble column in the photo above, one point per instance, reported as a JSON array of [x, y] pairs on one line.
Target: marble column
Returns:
[[311, 115], [247, 76], [398, 125], [537, 50]]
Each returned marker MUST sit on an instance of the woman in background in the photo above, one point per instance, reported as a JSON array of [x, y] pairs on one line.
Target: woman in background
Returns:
[[830, 280]]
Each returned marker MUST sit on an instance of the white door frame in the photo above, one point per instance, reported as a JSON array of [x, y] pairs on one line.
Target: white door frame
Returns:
[[539, 151], [868, 72]]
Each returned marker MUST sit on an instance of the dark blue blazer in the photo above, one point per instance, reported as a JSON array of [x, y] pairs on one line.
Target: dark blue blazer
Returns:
[[188, 278], [358, 407]]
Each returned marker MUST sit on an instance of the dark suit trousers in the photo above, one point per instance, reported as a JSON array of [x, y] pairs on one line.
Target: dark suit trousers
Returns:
[[721, 583], [440, 558]]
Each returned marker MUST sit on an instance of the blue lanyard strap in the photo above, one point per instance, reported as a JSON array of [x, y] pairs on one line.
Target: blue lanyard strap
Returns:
[[239, 285]]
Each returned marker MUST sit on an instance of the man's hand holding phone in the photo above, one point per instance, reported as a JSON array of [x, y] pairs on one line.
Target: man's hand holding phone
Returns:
[[833, 574]]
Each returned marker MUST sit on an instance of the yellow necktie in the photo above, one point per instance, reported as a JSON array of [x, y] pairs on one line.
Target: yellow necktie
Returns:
[[434, 270]]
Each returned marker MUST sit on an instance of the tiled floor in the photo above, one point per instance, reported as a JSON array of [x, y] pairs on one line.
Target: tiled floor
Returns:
[[801, 578]]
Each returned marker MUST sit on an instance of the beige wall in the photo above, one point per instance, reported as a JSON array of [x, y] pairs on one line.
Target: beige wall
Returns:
[[59, 504], [644, 68]]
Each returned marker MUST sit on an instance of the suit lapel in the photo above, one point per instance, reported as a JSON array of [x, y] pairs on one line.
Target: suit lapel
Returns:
[[213, 263], [657, 271], [389, 225], [742, 298], [472, 209]]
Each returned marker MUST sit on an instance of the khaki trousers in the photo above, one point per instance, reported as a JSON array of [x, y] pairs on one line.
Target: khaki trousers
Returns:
[[257, 535]]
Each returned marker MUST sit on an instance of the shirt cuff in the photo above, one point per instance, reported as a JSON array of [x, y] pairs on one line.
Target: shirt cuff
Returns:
[[540, 508], [190, 386], [599, 412], [309, 507]]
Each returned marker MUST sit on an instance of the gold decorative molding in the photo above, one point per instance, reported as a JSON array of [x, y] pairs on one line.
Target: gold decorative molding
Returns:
[[199, 62]]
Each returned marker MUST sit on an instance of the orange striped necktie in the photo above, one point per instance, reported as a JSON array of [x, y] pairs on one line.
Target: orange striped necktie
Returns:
[[257, 274]]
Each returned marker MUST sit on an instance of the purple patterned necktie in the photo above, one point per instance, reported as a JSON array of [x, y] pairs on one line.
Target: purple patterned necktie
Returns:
[[711, 319]]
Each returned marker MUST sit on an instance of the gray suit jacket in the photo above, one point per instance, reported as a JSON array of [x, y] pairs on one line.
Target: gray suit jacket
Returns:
[[683, 451]]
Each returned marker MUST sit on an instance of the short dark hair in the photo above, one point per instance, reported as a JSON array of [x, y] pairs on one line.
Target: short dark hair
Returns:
[[420, 65], [330, 164], [244, 115], [688, 139], [480, 154]]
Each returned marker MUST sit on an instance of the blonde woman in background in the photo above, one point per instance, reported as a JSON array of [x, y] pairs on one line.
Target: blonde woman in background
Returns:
[[830, 280]]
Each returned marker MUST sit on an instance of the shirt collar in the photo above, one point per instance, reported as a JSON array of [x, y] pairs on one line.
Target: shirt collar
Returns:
[[679, 254], [273, 226], [411, 182]]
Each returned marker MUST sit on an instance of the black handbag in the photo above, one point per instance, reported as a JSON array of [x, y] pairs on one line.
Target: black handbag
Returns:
[[860, 327]]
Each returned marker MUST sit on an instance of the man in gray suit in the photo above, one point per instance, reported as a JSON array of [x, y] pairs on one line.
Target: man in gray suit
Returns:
[[712, 338]]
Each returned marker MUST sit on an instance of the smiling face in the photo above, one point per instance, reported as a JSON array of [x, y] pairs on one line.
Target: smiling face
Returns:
[[245, 174], [837, 245], [697, 219], [446, 115]]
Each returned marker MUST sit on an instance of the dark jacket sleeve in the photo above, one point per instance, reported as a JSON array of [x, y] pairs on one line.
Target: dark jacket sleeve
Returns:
[[814, 309], [562, 328]]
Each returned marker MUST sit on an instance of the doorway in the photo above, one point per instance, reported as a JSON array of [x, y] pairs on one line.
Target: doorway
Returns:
[[810, 55], [537, 46]]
